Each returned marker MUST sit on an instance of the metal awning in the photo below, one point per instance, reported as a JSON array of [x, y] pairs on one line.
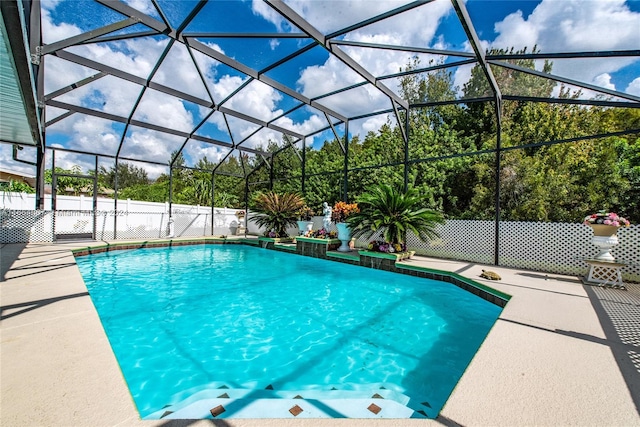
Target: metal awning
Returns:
[[18, 113]]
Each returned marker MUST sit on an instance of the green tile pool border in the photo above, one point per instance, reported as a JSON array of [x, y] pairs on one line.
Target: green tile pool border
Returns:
[[485, 292], [122, 246], [276, 240], [383, 255], [315, 240], [356, 258], [352, 256]]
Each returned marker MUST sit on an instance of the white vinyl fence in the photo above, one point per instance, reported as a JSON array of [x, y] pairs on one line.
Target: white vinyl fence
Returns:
[[74, 217], [539, 246]]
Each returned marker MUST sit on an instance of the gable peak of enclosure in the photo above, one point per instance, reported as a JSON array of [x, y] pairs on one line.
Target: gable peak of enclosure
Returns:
[[165, 84]]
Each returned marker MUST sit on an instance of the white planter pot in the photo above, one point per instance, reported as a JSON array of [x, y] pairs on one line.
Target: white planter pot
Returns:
[[304, 226], [604, 244], [604, 238], [344, 234]]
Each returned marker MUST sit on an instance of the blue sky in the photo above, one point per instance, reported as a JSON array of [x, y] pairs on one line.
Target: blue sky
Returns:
[[551, 25]]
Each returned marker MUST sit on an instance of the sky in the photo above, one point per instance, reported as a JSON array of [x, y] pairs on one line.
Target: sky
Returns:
[[550, 25]]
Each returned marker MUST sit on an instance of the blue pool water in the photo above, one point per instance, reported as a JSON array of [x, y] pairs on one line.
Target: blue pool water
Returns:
[[187, 317]]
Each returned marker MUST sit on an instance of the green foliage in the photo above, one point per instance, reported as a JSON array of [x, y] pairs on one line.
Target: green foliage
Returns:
[[68, 184], [395, 213], [223, 199], [156, 192], [128, 175], [276, 211], [17, 187]]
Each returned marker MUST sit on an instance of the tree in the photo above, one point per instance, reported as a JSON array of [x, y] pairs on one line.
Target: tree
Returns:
[[128, 175], [156, 192]]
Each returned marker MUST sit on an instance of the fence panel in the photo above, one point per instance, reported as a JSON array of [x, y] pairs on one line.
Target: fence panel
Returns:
[[24, 226], [466, 240]]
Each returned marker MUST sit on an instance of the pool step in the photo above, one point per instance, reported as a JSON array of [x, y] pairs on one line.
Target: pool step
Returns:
[[248, 403]]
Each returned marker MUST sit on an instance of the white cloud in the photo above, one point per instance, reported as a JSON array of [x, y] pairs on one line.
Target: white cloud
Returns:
[[187, 79], [419, 30], [134, 56], [320, 79], [634, 87], [95, 133], [28, 154], [325, 16], [515, 31], [160, 109], [262, 9], [604, 80], [145, 144], [574, 26], [462, 76], [143, 6], [87, 133], [197, 151], [52, 32], [262, 138], [373, 124], [66, 160], [258, 100], [311, 124]]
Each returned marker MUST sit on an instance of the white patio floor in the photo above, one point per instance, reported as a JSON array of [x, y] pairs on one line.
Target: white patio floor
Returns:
[[560, 353]]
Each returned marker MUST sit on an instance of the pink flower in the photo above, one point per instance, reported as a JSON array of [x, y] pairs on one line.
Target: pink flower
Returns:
[[610, 218]]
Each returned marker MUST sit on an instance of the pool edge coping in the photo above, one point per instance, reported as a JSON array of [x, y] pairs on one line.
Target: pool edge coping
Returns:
[[485, 292]]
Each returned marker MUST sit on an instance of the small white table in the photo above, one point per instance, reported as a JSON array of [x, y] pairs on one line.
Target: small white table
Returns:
[[605, 273]]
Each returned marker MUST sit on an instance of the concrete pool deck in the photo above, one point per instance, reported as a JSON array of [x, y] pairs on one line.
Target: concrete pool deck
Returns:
[[561, 353]]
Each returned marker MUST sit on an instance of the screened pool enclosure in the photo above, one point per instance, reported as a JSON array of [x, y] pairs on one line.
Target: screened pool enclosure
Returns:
[[499, 112]]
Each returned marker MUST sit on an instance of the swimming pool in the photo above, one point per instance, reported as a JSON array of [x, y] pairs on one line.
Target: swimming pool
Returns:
[[214, 320]]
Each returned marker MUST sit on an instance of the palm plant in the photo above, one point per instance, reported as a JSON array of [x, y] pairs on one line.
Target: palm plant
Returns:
[[276, 211], [394, 212]]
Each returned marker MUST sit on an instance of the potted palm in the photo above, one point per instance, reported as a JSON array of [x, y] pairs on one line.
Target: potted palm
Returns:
[[276, 212], [393, 212]]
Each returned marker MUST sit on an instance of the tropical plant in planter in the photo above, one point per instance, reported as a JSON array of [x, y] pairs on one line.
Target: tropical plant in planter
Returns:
[[342, 210], [394, 212], [340, 214], [305, 213], [276, 212], [304, 219]]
